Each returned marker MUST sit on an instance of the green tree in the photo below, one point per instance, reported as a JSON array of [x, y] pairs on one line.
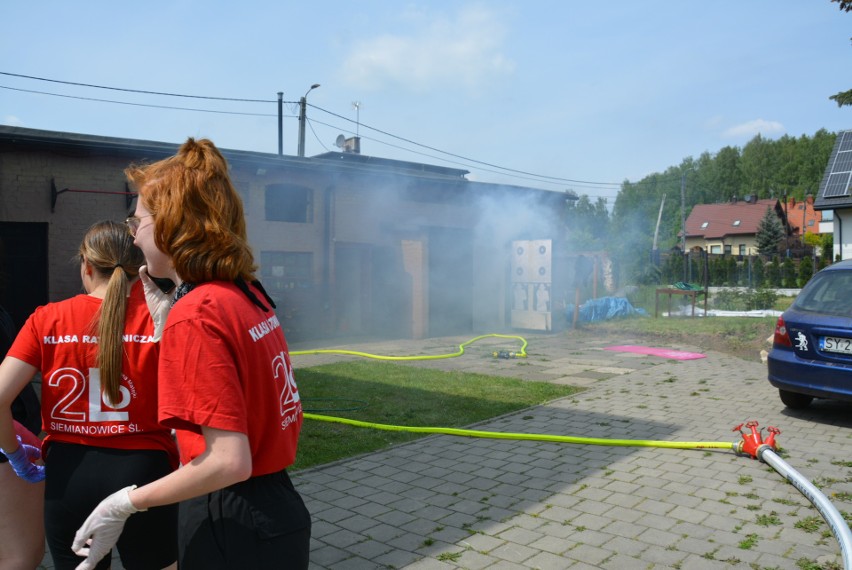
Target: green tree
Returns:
[[788, 274], [844, 97], [827, 247], [758, 163], [812, 240], [586, 223], [718, 271], [727, 177], [770, 232], [773, 273], [806, 270], [789, 165], [758, 273], [731, 277], [673, 267]]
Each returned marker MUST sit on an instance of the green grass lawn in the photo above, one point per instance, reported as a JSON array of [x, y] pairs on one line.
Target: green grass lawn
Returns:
[[382, 392], [397, 394]]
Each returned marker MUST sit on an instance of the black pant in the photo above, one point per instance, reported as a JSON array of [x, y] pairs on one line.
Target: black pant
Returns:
[[259, 523], [78, 477]]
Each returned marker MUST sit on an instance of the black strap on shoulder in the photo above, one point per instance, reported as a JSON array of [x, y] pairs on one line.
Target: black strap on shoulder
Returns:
[[259, 285], [243, 286]]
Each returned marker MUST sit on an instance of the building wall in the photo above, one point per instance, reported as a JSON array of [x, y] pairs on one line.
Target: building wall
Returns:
[[843, 233], [710, 245], [25, 185], [363, 261]]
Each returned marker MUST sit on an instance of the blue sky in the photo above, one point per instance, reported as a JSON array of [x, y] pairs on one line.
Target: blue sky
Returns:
[[548, 94]]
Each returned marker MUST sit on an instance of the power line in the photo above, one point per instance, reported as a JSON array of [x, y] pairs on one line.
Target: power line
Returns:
[[137, 90], [138, 104], [541, 178], [409, 141], [379, 141]]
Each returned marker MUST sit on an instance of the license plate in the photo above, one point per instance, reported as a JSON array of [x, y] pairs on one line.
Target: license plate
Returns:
[[836, 344]]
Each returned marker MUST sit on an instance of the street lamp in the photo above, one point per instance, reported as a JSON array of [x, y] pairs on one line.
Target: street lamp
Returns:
[[303, 107]]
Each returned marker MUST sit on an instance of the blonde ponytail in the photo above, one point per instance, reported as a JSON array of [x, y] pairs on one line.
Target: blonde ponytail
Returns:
[[109, 248]]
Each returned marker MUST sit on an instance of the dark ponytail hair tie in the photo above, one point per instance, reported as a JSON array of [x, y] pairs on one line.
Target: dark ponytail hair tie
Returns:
[[116, 266]]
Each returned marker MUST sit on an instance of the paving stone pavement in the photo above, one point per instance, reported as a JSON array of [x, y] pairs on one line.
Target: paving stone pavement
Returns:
[[445, 502]]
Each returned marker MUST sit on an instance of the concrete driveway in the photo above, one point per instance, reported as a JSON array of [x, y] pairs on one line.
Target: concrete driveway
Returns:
[[447, 502]]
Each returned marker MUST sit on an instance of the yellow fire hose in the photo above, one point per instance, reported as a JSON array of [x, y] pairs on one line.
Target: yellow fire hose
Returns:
[[520, 354], [532, 436]]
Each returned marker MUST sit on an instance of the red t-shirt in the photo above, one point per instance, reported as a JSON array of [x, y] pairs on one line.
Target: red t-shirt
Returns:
[[60, 339], [224, 364]]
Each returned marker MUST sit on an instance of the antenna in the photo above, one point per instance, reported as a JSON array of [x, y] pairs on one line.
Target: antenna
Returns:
[[340, 142], [357, 106]]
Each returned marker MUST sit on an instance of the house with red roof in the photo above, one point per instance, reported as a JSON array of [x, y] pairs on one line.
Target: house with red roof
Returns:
[[802, 216], [731, 227]]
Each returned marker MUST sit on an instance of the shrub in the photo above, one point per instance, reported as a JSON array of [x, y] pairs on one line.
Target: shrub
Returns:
[[757, 272], [761, 299], [731, 276], [806, 270], [788, 274], [748, 300], [728, 300], [773, 273]]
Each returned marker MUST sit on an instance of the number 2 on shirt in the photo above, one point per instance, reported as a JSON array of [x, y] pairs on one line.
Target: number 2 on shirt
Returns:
[[73, 383]]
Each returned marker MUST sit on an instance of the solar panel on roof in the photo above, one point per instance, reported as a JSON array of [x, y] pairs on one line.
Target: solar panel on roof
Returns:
[[840, 168], [838, 185], [845, 141], [843, 162]]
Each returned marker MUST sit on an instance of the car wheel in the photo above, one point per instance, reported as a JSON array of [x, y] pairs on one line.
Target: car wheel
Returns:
[[795, 400]]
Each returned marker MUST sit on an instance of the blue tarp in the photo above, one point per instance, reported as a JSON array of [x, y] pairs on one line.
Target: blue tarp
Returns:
[[603, 309]]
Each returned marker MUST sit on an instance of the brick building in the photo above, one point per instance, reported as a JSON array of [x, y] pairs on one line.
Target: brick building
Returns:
[[348, 245]]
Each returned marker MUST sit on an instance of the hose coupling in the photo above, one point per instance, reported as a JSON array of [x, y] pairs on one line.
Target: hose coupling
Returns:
[[752, 443]]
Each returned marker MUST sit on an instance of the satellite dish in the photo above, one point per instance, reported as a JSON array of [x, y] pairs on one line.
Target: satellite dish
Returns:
[[340, 141]]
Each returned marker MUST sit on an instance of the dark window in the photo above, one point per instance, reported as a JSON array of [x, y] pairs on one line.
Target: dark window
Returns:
[[742, 249], [827, 292], [289, 203], [282, 270], [727, 250]]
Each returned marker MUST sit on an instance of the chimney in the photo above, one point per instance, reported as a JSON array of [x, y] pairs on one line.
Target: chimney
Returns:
[[733, 199], [353, 145]]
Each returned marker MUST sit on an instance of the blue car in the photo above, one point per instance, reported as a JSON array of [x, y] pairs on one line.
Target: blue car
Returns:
[[811, 354]]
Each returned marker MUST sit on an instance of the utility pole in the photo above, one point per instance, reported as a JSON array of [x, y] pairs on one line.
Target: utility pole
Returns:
[[280, 123], [303, 111], [786, 226], [654, 252], [683, 220]]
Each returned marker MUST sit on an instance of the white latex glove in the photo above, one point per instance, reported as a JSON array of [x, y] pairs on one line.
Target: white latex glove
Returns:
[[101, 530], [158, 302]]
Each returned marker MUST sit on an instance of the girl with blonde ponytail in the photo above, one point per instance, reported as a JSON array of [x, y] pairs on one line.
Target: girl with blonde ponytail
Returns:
[[108, 250], [98, 360]]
